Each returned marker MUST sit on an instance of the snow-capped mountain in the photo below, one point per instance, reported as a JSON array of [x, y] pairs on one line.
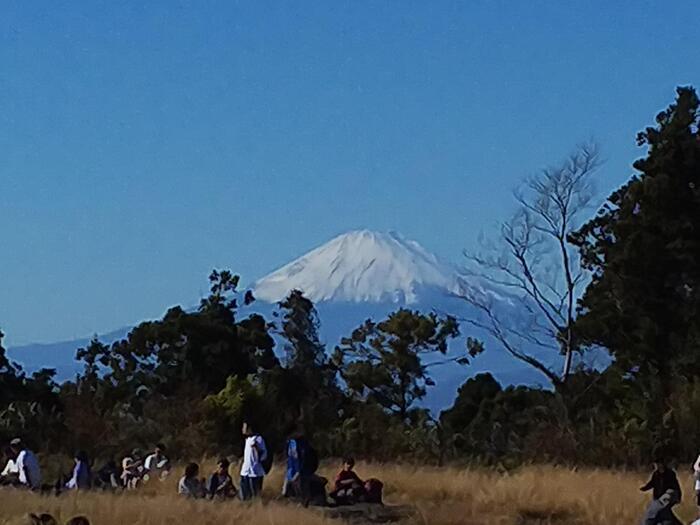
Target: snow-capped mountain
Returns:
[[361, 267], [354, 277]]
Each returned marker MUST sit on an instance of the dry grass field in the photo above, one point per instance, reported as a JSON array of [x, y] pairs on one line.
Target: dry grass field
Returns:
[[448, 496]]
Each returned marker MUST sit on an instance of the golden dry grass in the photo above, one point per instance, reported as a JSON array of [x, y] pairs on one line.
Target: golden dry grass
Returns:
[[441, 496]]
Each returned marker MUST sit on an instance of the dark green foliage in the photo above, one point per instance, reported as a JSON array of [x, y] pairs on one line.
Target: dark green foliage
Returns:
[[382, 362], [643, 248], [468, 402]]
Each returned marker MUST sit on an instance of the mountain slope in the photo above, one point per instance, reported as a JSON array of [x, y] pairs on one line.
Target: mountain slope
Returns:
[[361, 267]]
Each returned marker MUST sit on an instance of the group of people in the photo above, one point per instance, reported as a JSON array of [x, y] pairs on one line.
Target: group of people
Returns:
[[667, 493], [301, 481]]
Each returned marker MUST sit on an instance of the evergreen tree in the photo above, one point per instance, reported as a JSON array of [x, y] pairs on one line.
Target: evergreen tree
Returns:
[[310, 389], [643, 249], [383, 362]]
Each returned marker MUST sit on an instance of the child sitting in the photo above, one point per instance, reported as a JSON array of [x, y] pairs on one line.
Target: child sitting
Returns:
[[220, 484], [190, 485], [348, 488]]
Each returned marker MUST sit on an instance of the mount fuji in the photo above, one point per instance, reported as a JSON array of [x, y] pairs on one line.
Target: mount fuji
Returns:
[[362, 267], [355, 276]]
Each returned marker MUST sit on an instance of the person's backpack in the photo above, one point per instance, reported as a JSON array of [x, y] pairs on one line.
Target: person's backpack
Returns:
[[269, 457], [373, 490]]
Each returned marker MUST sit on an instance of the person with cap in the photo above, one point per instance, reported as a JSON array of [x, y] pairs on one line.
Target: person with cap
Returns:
[[28, 469], [660, 510]]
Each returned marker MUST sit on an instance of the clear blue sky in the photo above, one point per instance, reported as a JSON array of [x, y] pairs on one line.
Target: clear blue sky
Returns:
[[143, 143]]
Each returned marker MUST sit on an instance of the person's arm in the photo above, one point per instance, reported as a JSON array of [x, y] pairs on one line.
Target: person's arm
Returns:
[[73, 481], [9, 468], [649, 484]]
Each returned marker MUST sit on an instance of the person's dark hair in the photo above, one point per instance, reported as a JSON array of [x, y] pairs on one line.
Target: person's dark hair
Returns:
[[349, 461], [81, 455], [78, 520], [161, 447], [47, 519], [191, 470], [224, 463]]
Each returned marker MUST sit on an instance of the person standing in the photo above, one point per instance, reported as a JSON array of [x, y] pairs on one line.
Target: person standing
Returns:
[[252, 470], [662, 479], [27, 465]]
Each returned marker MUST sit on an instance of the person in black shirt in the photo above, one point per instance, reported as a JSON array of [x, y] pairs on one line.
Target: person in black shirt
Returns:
[[220, 485], [662, 479]]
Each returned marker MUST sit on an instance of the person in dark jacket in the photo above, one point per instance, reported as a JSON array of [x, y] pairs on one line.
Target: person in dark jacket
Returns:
[[220, 485], [662, 479]]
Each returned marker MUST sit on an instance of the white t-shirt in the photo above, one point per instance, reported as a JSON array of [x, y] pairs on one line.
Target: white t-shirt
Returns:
[[254, 452], [696, 468], [10, 468], [152, 462], [28, 467]]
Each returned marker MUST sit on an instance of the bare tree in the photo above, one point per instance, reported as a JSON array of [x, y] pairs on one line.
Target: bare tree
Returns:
[[532, 263]]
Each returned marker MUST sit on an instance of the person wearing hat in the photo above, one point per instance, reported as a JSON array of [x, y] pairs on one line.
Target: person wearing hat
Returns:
[[27, 464]]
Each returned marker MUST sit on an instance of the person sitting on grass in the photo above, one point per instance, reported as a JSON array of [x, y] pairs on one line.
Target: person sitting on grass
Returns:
[[660, 510], [29, 472], [190, 485], [108, 476], [81, 478], [348, 488], [662, 479], [132, 470], [157, 464], [220, 484]]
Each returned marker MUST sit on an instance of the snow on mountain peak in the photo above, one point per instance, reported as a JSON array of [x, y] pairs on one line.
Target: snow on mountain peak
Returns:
[[361, 266]]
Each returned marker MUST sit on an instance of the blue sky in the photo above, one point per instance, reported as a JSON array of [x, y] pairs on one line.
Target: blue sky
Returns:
[[144, 143]]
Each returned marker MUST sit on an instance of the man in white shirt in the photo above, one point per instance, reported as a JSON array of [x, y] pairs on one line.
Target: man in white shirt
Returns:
[[27, 465], [157, 464], [252, 470]]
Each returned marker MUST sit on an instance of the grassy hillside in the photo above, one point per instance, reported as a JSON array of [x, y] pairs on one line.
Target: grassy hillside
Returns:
[[447, 496]]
